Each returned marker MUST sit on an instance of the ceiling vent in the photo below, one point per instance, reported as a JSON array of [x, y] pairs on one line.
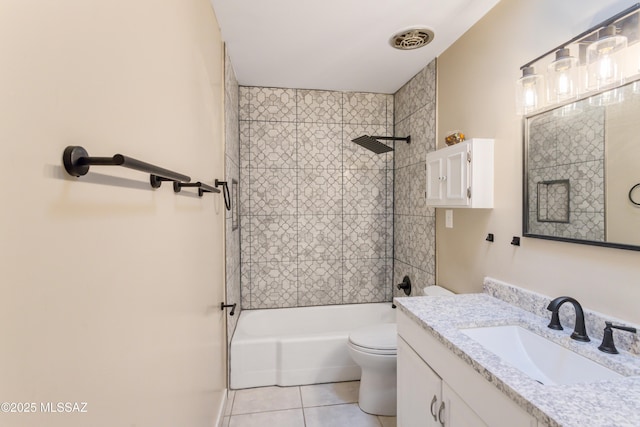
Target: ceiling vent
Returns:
[[412, 38]]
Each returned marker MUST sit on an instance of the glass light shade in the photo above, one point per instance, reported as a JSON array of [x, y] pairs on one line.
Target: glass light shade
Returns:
[[562, 77], [529, 91], [604, 64]]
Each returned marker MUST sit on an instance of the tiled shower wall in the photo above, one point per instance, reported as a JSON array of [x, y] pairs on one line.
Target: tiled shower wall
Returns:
[[569, 148], [414, 232], [316, 209], [232, 171]]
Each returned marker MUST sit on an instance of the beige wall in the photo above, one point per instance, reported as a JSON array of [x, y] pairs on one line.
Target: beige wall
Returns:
[[109, 290], [476, 94]]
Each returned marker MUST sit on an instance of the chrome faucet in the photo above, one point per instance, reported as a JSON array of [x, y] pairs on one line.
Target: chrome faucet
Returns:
[[579, 332]]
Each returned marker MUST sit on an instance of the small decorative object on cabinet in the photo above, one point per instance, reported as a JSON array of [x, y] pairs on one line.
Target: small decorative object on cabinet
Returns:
[[454, 137], [461, 175]]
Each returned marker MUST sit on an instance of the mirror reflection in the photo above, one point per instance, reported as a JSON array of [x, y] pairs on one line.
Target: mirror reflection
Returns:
[[582, 164]]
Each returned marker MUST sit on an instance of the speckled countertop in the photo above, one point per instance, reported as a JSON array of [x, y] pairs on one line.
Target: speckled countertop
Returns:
[[599, 404]]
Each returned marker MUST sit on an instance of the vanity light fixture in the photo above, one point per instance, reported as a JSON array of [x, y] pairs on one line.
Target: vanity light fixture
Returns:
[[604, 61], [562, 77], [529, 91]]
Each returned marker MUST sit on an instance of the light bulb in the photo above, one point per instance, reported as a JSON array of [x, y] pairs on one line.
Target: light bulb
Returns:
[[604, 66], [562, 77], [529, 90]]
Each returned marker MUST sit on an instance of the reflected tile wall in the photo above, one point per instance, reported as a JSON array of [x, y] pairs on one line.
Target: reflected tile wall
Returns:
[[414, 231], [553, 141], [316, 209]]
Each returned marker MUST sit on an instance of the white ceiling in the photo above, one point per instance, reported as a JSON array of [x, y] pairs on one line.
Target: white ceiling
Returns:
[[337, 44]]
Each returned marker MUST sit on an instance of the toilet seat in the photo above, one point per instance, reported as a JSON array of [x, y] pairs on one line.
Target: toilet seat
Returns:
[[379, 339]]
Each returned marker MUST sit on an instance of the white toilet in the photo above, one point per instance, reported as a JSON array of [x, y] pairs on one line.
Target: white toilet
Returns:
[[374, 348]]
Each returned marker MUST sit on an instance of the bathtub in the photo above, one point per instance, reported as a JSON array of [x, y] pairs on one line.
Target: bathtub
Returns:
[[302, 345]]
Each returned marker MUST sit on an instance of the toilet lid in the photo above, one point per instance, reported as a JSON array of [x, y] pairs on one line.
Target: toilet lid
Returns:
[[383, 336]]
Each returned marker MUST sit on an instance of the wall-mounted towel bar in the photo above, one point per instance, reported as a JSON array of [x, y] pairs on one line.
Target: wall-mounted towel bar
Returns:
[[77, 162], [202, 188]]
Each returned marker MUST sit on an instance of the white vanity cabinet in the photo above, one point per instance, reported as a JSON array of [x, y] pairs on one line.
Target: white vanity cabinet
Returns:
[[461, 175], [437, 388], [424, 399]]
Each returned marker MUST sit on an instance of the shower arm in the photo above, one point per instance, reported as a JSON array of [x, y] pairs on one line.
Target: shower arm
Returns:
[[393, 138]]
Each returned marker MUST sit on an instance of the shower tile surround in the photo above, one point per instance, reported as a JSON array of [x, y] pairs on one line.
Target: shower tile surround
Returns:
[[232, 171], [414, 233], [316, 210]]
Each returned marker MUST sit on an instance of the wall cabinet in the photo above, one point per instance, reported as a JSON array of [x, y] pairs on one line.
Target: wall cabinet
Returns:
[[438, 389], [461, 175]]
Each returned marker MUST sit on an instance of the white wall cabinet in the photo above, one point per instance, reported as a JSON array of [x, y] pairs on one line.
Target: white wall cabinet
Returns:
[[438, 389], [461, 175]]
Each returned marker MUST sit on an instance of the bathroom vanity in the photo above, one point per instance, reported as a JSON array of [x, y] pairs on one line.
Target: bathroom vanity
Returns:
[[449, 378]]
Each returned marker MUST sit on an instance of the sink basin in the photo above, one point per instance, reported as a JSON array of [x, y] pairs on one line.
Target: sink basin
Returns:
[[541, 359]]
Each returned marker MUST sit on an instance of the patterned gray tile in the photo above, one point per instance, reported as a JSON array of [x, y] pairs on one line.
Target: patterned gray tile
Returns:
[[366, 191], [319, 191], [245, 144], [320, 145], [320, 237], [273, 285], [366, 108], [319, 282], [273, 191], [273, 238], [244, 93], [365, 280], [272, 145], [318, 106], [272, 104], [365, 236]]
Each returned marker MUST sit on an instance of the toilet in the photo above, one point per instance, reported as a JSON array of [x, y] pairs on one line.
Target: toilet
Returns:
[[374, 348]]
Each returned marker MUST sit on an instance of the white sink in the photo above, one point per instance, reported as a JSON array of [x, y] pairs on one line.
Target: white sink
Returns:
[[541, 359]]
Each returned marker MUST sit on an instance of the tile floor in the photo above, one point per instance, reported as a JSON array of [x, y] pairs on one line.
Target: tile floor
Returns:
[[317, 405]]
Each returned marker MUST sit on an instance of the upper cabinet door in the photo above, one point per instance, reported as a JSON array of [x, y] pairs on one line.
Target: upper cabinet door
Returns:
[[461, 175]]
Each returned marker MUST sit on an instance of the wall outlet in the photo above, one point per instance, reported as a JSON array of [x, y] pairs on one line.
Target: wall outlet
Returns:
[[448, 218]]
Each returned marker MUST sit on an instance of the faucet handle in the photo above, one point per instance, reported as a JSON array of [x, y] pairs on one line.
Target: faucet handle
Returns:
[[608, 345]]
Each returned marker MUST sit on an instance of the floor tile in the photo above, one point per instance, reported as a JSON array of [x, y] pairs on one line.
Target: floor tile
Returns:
[[230, 395], [329, 394], [288, 418], [339, 415], [387, 421], [265, 399]]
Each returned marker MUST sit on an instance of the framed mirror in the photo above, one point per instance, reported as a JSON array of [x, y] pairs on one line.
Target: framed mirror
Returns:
[[582, 170]]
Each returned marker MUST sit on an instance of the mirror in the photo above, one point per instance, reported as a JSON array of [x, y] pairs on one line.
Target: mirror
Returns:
[[582, 170]]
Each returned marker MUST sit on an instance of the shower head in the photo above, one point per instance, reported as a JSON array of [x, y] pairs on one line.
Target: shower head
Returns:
[[371, 142]]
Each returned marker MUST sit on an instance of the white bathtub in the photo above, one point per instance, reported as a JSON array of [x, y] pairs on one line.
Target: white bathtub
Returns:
[[303, 345]]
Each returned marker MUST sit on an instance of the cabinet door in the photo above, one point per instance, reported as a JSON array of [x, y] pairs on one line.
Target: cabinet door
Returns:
[[456, 412], [419, 390], [435, 179], [457, 176]]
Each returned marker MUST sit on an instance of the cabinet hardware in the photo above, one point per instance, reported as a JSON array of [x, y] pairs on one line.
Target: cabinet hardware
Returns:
[[433, 409], [440, 412]]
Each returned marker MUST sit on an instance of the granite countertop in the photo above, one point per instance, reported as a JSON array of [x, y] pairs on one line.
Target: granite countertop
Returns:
[[603, 403]]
